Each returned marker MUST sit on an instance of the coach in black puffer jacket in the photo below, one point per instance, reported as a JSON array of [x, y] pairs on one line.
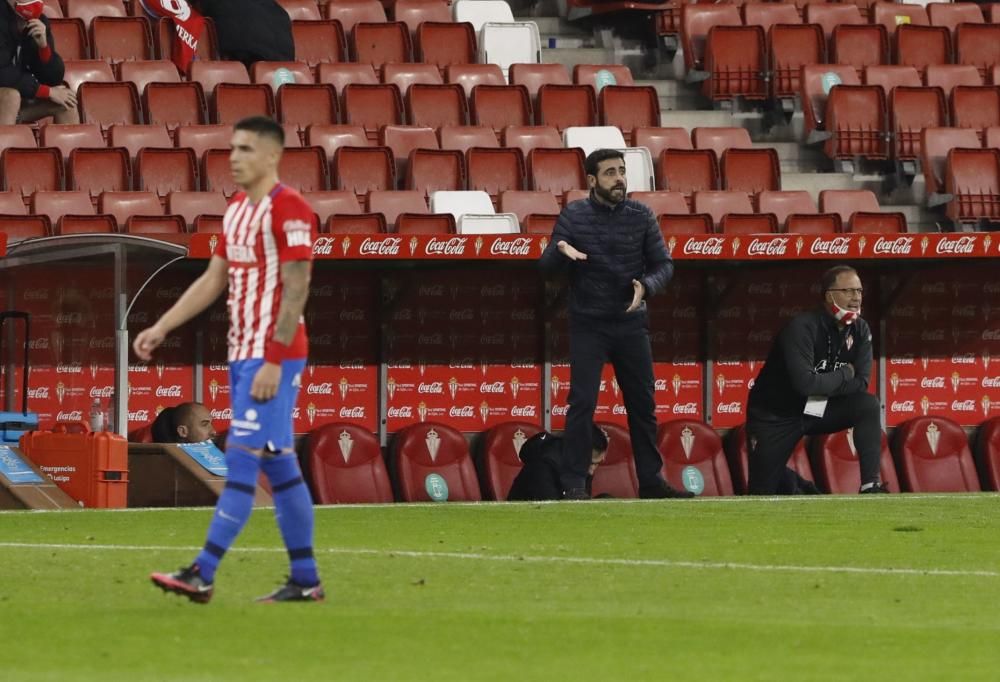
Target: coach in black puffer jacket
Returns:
[[615, 255]]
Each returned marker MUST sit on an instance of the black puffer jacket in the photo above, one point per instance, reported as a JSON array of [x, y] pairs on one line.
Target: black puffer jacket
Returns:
[[622, 243], [251, 30], [20, 67]]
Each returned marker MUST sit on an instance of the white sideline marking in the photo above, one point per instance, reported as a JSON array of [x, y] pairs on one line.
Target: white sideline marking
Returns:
[[598, 561]]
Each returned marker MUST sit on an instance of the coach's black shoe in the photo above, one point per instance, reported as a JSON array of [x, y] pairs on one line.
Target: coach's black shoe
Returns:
[[662, 490], [806, 487], [878, 488], [293, 592], [576, 494], [186, 582]]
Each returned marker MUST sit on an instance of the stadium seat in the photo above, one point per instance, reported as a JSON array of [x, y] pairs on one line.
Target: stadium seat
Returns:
[[972, 177], [429, 448], [932, 455], [951, 14], [168, 170], [319, 42], [586, 74], [911, 109], [12, 204], [922, 46], [372, 106], [473, 212], [834, 460], [304, 169], [304, 105], [894, 14], [831, 15], [234, 101], [30, 170], [464, 137], [215, 175], [593, 138], [535, 211], [404, 139], [495, 171], [767, 14], [380, 43], [534, 76], [361, 223], [814, 93], [693, 457], [500, 106], [86, 10], [208, 42], [191, 205], [436, 105], [345, 466], [154, 226], [888, 77], [934, 145], [211, 73], [499, 457], [85, 224], [202, 138], [69, 136], [683, 224], [556, 170], [82, 71], [791, 47], [332, 137], [530, 137], [986, 453], [657, 139], [978, 45], [174, 104], [431, 170], [119, 39], [471, 75], [70, 37], [992, 138], [351, 12], [135, 137], [736, 62], [793, 206], [342, 75], [123, 205], [748, 224], [720, 204], [720, 139], [425, 223], [662, 203], [629, 107], [208, 224], [846, 202], [502, 39], [362, 169], [263, 73], [750, 170], [616, 475], [687, 170], [99, 170], [696, 23], [108, 103], [975, 106], [53, 9], [735, 446], [857, 120], [949, 76], [55, 205], [332, 202], [405, 75], [391, 204], [148, 71], [562, 106], [18, 135], [300, 10], [415, 12]]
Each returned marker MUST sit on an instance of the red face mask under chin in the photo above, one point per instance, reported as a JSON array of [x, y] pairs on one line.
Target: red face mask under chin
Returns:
[[32, 9], [842, 314]]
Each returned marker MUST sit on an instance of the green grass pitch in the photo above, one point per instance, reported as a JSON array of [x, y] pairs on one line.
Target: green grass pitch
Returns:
[[888, 587]]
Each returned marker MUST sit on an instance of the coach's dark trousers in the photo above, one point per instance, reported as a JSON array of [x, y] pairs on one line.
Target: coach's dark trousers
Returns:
[[772, 439], [625, 344]]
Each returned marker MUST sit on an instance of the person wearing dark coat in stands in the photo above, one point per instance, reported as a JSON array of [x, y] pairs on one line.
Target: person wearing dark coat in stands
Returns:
[[250, 30], [540, 477]]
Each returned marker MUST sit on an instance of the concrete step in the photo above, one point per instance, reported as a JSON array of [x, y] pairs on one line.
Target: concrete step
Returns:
[[557, 26], [578, 55]]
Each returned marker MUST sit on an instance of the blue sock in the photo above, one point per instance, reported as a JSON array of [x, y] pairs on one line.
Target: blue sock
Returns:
[[231, 511], [293, 508]]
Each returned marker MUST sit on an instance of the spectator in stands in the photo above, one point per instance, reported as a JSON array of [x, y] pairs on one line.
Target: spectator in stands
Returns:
[[31, 72], [613, 251], [541, 476], [185, 423], [815, 381], [251, 30]]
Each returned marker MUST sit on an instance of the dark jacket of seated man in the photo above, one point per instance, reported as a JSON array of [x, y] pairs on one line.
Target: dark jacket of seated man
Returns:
[[542, 458]]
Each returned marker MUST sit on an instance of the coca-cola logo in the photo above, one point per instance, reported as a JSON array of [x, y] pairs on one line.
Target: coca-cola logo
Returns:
[[838, 246], [403, 315], [933, 288], [105, 343], [138, 369], [685, 313], [356, 412], [789, 311], [462, 364], [902, 360], [932, 335], [464, 411], [525, 314], [430, 339], [463, 315], [169, 293], [73, 416], [218, 367], [72, 368], [69, 318], [136, 318], [991, 335], [776, 246], [560, 410], [173, 391], [225, 414], [325, 291], [697, 246], [491, 340], [404, 412], [963, 405], [386, 246], [138, 415], [323, 246], [960, 246], [660, 385], [964, 359], [453, 246], [963, 311], [493, 291], [760, 336], [101, 392], [761, 289], [521, 246], [352, 315], [325, 388], [991, 382], [685, 408], [991, 288], [905, 311], [321, 340], [433, 387], [731, 313], [932, 382], [903, 406], [39, 344], [100, 294], [734, 407], [522, 411], [40, 393], [495, 387], [896, 246], [352, 364], [431, 290]]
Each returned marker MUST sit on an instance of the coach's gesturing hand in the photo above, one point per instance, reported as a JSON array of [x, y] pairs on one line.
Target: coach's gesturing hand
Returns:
[[638, 291], [265, 382], [568, 250]]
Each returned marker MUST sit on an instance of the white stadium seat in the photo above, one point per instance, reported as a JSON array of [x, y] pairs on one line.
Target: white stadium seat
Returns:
[[502, 39], [474, 213]]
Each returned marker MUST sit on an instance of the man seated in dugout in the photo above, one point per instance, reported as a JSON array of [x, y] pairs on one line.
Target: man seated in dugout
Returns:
[[541, 454], [189, 422]]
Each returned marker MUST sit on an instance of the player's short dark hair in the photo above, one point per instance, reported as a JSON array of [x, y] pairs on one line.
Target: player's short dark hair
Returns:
[[263, 126], [830, 276], [598, 439], [595, 158]]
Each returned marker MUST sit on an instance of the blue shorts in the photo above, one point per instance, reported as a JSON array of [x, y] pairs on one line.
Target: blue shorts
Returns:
[[258, 425]]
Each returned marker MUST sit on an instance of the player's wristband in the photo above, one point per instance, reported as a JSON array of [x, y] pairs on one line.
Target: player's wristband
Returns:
[[44, 54], [276, 352]]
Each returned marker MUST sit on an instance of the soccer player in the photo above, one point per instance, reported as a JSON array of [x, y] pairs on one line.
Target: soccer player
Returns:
[[265, 258]]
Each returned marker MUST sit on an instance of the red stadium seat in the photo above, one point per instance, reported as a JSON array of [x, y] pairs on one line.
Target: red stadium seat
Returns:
[[69, 136], [784, 204], [972, 177], [750, 170], [82, 71], [207, 224], [922, 46], [894, 14], [687, 445], [500, 458], [29, 170], [174, 104], [934, 146], [304, 105], [54, 205], [888, 77], [362, 169], [372, 106], [629, 107], [304, 169], [18, 228], [987, 453], [499, 106], [154, 225], [687, 170], [616, 475], [404, 139], [342, 75], [662, 203], [978, 45], [364, 223], [415, 12], [135, 137], [951, 14], [721, 204], [471, 75], [70, 37], [748, 224], [975, 106], [535, 211], [932, 455], [263, 72], [949, 76], [845, 202], [860, 46], [736, 453], [556, 170], [423, 449], [381, 43], [85, 224], [436, 105], [682, 224], [834, 460], [99, 170], [586, 74], [12, 204], [333, 137], [495, 170], [119, 39], [720, 139], [234, 101], [736, 61], [18, 135], [529, 137], [405, 75], [857, 120], [534, 76], [300, 10], [697, 20], [319, 42], [191, 205], [767, 14], [148, 71], [351, 12], [831, 15], [345, 466], [431, 170], [464, 137], [877, 223], [992, 138], [562, 106], [108, 103], [657, 139], [86, 10], [168, 170], [215, 174], [814, 94], [792, 47], [332, 202], [123, 205], [910, 111], [391, 205], [202, 138], [210, 73]]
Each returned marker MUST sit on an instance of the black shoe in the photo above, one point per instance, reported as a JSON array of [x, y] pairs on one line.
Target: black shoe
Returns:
[[576, 494], [293, 592], [807, 487], [662, 490], [186, 582], [875, 489]]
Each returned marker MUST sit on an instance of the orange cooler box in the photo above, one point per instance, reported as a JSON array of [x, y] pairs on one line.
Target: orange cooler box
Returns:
[[92, 468]]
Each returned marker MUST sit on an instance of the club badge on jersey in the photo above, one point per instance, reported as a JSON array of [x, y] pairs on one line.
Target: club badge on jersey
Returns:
[[29, 9]]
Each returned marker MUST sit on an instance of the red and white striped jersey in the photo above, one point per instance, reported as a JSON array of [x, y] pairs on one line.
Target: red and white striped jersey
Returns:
[[256, 240]]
